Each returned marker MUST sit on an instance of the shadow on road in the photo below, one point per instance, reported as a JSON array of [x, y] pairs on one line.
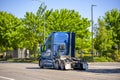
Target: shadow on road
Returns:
[[38, 68], [44, 68], [109, 71], [104, 70], [32, 68]]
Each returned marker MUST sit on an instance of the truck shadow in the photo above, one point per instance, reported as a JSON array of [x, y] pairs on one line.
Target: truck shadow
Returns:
[[32, 68], [109, 71], [39, 68], [104, 70], [36, 68]]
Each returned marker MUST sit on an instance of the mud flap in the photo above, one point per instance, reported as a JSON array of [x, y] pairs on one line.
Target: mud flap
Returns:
[[68, 66]]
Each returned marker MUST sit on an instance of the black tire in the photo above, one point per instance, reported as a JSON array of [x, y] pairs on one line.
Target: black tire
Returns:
[[62, 65], [40, 64], [57, 66], [82, 67]]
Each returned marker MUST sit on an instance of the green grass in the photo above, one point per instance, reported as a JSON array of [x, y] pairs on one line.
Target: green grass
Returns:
[[2, 59], [103, 59], [98, 59], [23, 60]]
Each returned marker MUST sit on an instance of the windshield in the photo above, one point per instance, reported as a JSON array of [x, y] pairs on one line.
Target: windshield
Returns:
[[61, 40], [62, 49], [62, 52]]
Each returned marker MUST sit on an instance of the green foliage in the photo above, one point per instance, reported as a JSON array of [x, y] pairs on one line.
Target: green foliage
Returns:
[[33, 24], [103, 40], [107, 38], [10, 31], [112, 20], [102, 59], [116, 56]]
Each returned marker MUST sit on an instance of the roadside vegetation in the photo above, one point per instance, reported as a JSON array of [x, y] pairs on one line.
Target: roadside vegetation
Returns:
[[28, 32]]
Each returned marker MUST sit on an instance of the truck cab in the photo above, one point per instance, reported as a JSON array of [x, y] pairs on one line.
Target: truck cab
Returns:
[[60, 52]]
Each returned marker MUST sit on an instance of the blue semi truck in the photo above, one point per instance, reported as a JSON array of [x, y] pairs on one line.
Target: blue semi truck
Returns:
[[59, 52]]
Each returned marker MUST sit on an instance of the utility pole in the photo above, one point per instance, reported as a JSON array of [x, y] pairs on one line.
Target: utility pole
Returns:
[[92, 31]]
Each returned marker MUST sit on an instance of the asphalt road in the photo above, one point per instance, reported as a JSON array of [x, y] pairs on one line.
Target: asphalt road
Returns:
[[29, 71]]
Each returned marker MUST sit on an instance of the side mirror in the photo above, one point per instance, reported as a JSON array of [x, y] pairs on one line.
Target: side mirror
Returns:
[[43, 48], [40, 48]]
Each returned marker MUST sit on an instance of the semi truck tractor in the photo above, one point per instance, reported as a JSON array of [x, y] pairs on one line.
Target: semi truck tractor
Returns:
[[59, 52]]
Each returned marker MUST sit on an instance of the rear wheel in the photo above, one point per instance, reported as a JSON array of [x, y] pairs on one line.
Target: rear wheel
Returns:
[[84, 66], [57, 65], [62, 65]]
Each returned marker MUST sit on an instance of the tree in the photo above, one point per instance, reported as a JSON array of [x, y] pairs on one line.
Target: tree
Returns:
[[33, 24], [112, 21], [103, 39], [107, 38], [10, 31]]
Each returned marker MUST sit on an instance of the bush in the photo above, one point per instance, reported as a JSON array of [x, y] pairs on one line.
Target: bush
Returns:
[[100, 59], [103, 59], [116, 56], [110, 59], [88, 58], [35, 57]]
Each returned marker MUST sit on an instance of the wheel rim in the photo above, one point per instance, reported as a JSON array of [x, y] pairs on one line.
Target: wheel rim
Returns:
[[62, 66], [56, 65]]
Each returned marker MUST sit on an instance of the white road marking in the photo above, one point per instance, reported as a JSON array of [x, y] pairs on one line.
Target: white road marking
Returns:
[[6, 78]]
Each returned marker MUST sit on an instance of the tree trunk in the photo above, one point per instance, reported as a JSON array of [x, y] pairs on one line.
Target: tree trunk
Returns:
[[118, 48], [35, 47]]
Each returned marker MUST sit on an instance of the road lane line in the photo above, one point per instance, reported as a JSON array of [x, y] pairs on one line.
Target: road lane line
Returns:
[[6, 78]]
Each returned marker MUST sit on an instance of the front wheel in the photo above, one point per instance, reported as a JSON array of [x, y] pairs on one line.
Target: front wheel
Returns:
[[40, 64]]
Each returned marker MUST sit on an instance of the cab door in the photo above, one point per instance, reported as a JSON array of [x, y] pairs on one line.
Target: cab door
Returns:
[[47, 59]]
